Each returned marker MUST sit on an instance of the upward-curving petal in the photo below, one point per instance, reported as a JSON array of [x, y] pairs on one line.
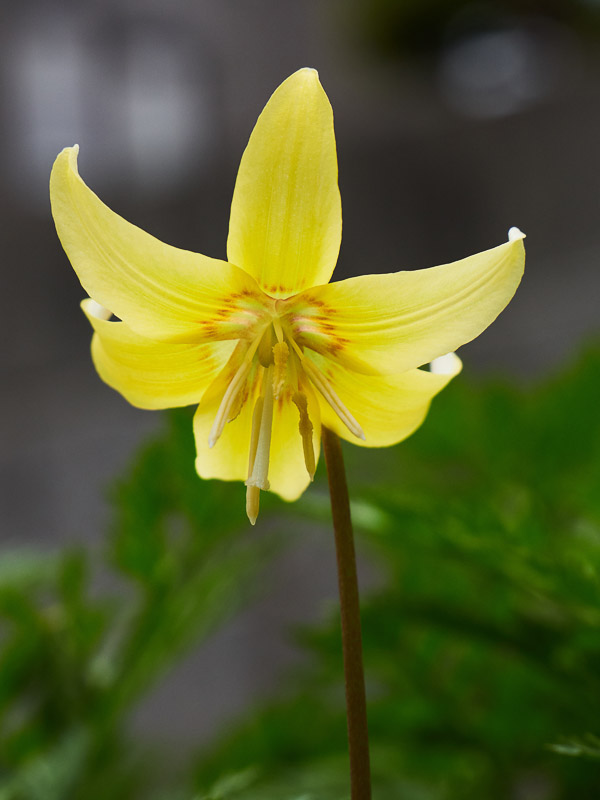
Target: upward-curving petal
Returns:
[[286, 220], [158, 290], [395, 322], [150, 373]]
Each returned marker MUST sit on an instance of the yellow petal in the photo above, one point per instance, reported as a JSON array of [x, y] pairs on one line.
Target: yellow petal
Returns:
[[399, 321], [390, 408], [156, 289], [286, 220], [228, 459], [149, 373]]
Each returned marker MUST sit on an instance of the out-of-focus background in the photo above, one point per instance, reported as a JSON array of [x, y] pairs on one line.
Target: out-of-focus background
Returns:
[[455, 120]]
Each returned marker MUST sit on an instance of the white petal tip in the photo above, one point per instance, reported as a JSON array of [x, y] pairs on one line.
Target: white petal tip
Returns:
[[71, 151], [514, 234], [96, 310], [449, 364], [307, 76]]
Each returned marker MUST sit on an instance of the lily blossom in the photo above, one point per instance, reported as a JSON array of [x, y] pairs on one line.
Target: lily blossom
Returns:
[[263, 343]]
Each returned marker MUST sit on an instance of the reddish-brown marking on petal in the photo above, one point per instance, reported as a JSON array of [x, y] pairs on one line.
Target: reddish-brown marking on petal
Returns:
[[314, 301]]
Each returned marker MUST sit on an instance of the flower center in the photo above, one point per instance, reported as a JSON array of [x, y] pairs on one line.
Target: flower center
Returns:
[[274, 367]]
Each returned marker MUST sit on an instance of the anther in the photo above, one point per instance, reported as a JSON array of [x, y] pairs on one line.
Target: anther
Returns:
[[253, 492], [229, 407], [305, 427], [263, 421], [328, 392], [228, 402]]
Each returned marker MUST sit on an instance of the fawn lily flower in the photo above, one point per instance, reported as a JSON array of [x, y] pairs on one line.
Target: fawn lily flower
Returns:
[[262, 342]]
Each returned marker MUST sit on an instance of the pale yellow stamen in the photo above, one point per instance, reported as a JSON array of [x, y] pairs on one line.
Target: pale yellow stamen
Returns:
[[253, 492], [326, 389], [280, 355], [305, 427], [224, 414], [237, 404]]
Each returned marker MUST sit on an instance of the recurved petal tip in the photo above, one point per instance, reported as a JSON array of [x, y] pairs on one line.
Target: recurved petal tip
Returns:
[[96, 309], [309, 70], [449, 364], [67, 157], [514, 234]]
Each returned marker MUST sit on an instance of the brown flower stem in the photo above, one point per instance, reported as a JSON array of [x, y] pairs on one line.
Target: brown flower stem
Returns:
[[356, 704]]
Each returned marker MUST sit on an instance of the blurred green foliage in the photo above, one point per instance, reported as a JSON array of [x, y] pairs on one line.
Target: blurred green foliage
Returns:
[[482, 634], [84, 635]]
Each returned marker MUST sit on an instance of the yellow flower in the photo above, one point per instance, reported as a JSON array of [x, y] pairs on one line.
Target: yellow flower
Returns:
[[268, 348]]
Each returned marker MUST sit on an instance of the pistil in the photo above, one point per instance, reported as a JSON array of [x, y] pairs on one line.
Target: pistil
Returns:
[[287, 374], [280, 356]]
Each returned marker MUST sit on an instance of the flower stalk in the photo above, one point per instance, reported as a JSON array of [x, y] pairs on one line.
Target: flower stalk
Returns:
[[356, 703]]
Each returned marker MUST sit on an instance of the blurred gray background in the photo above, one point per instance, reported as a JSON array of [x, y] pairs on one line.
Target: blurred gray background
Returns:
[[454, 121]]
